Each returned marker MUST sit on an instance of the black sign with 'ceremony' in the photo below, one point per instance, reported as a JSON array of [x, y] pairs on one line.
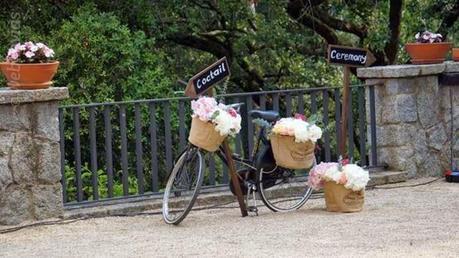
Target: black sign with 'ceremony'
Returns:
[[203, 81], [349, 56]]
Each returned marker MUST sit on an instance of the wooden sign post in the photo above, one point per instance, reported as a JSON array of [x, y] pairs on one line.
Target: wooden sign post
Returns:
[[202, 83], [348, 57]]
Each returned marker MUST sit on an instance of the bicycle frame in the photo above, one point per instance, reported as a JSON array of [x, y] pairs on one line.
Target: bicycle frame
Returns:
[[261, 138]]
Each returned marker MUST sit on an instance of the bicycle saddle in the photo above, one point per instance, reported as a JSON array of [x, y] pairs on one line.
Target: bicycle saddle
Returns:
[[269, 115]]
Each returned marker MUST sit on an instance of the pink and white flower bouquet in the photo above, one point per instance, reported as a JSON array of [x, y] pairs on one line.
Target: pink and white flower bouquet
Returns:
[[225, 118], [30, 52], [299, 128], [351, 176]]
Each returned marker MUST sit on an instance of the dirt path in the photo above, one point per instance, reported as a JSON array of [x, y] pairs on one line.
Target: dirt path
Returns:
[[418, 221]]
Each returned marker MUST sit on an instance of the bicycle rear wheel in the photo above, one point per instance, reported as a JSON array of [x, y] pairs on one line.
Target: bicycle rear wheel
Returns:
[[282, 189], [183, 186]]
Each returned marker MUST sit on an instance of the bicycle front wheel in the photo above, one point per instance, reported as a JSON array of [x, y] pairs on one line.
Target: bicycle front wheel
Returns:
[[283, 189], [183, 186]]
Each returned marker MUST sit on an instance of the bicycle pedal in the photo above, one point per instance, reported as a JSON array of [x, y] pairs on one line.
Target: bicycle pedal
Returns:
[[253, 209]]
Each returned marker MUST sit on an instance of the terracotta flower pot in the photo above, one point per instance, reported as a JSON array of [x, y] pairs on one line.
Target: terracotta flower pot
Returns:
[[456, 54], [428, 53], [29, 76]]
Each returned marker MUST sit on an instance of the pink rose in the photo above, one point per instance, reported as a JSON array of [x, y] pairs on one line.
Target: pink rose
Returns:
[[232, 112], [300, 116]]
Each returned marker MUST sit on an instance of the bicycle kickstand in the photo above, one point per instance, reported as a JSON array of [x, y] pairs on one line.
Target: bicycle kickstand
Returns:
[[252, 208]]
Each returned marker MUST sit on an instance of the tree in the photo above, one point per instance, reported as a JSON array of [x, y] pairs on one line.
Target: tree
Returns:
[[362, 23], [269, 43]]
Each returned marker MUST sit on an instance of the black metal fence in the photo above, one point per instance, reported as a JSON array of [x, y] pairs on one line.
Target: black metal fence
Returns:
[[123, 149]]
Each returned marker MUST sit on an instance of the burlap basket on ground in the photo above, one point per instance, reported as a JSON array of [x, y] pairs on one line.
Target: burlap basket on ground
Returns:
[[204, 135], [291, 154], [340, 199]]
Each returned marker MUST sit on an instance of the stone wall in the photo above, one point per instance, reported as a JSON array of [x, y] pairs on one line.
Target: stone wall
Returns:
[[30, 187], [413, 117]]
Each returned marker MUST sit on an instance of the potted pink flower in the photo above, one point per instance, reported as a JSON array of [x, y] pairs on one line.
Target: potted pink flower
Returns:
[[428, 49], [343, 184], [212, 123], [29, 66]]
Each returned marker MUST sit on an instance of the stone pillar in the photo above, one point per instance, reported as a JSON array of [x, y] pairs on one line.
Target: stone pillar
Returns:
[[413, 116], [30, 187]]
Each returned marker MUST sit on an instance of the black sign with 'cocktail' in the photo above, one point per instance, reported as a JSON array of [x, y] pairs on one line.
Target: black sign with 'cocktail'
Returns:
[[207, 78]]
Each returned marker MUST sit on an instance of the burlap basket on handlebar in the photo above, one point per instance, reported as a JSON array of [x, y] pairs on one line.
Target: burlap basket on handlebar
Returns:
[[204, 135], [340, 199], [291, 154]]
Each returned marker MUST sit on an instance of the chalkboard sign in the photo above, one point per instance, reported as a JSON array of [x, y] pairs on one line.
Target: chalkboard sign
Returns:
[[342, 55], [204, 80]]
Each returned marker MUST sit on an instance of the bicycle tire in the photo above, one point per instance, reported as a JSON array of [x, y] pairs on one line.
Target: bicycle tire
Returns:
[[272, 191], [174, 185]]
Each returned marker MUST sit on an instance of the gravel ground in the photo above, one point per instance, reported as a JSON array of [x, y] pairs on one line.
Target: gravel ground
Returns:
[[420, 221]]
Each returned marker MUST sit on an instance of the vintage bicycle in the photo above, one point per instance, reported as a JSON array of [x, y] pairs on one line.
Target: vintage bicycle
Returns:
[[280, 189]]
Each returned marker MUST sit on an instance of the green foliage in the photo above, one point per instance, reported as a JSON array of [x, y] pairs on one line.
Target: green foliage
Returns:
[[102, 60], [102, 183]]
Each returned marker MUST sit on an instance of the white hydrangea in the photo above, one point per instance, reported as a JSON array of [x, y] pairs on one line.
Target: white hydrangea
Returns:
[[300, 129], [226, 124], [333, 174], [315, 133], [357, 177]]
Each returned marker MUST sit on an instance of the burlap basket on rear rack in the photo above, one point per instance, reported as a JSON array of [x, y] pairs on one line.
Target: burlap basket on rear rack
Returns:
[[291, 154], [204, 135]]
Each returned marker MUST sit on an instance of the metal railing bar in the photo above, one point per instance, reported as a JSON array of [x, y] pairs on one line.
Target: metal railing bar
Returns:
[[313, 103], [124, 152], [139, 149], [211, 170], [182, 133], [108, 149], [350, 129], [168, 136], [325, 121], [250, 126], [263, 102], [300, 108], [77, 152], [337, 119], [276, 102], [154, 148], [362, 131], [288, 105], [93, 152]]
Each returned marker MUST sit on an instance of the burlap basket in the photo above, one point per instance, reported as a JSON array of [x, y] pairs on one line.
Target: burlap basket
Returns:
[[340, 199], [290, 154], [204, 135]]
